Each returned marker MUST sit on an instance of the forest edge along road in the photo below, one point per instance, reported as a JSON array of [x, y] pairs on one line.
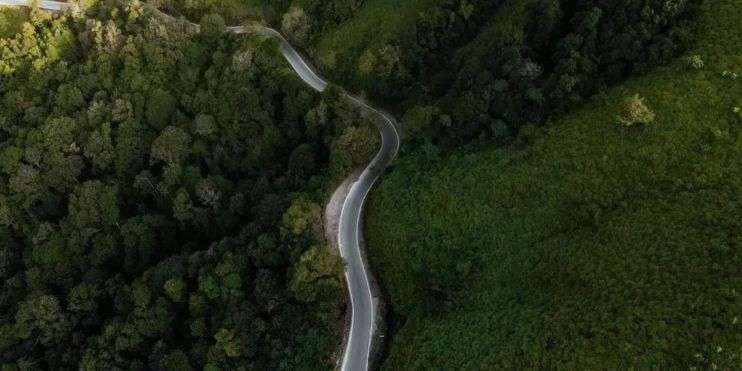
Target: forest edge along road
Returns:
[[363, 301]]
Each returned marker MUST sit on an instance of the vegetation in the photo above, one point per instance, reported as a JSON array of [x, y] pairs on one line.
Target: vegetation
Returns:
[[11, 20], [488, 68], [233, 11], [483, 69], [636, 112], [158, 198], [584, 245], [160, 189]]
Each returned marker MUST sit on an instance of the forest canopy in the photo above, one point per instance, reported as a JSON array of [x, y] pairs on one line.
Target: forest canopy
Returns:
[[481, 70], [158, 190], [484, 69]]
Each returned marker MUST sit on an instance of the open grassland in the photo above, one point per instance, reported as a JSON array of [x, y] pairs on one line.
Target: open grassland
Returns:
[[588, 246]]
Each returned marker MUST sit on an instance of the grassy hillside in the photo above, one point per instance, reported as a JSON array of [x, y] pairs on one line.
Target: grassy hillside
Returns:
[[587, 246]]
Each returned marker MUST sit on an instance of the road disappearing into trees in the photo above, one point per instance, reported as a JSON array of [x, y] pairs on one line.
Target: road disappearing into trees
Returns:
[[363, 303]]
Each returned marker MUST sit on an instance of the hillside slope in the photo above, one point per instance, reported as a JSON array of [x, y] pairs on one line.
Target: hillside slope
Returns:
[[158, 197], [587, 246]]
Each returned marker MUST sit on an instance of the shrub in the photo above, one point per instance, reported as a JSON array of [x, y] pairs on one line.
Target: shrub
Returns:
[[695, 61], [730, 75], [636, 112], [296, 25], [212, 25]]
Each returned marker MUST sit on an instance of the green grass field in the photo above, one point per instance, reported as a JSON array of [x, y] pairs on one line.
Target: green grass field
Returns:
[[593, 246]]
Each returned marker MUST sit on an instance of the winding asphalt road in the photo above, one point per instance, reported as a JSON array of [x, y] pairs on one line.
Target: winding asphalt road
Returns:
[[364, 304]]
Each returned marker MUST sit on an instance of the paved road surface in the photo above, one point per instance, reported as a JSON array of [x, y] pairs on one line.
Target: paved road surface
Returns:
[[363, 304]]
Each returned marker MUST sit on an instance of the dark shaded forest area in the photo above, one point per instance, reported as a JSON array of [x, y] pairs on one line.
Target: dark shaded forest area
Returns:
[[158, 198], [160, 189], [464, 70]]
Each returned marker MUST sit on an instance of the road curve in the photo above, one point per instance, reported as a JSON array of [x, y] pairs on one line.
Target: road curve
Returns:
[[363, 303], [44, 4]]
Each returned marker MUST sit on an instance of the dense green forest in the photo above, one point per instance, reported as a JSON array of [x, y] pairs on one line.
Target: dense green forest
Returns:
[[475, 71], [609, 239], [567, 196], [159, 197], [464, 70]]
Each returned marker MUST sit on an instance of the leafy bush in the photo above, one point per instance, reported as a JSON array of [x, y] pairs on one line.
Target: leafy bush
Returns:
[[695, 61], [636, 112], [296, 25]]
